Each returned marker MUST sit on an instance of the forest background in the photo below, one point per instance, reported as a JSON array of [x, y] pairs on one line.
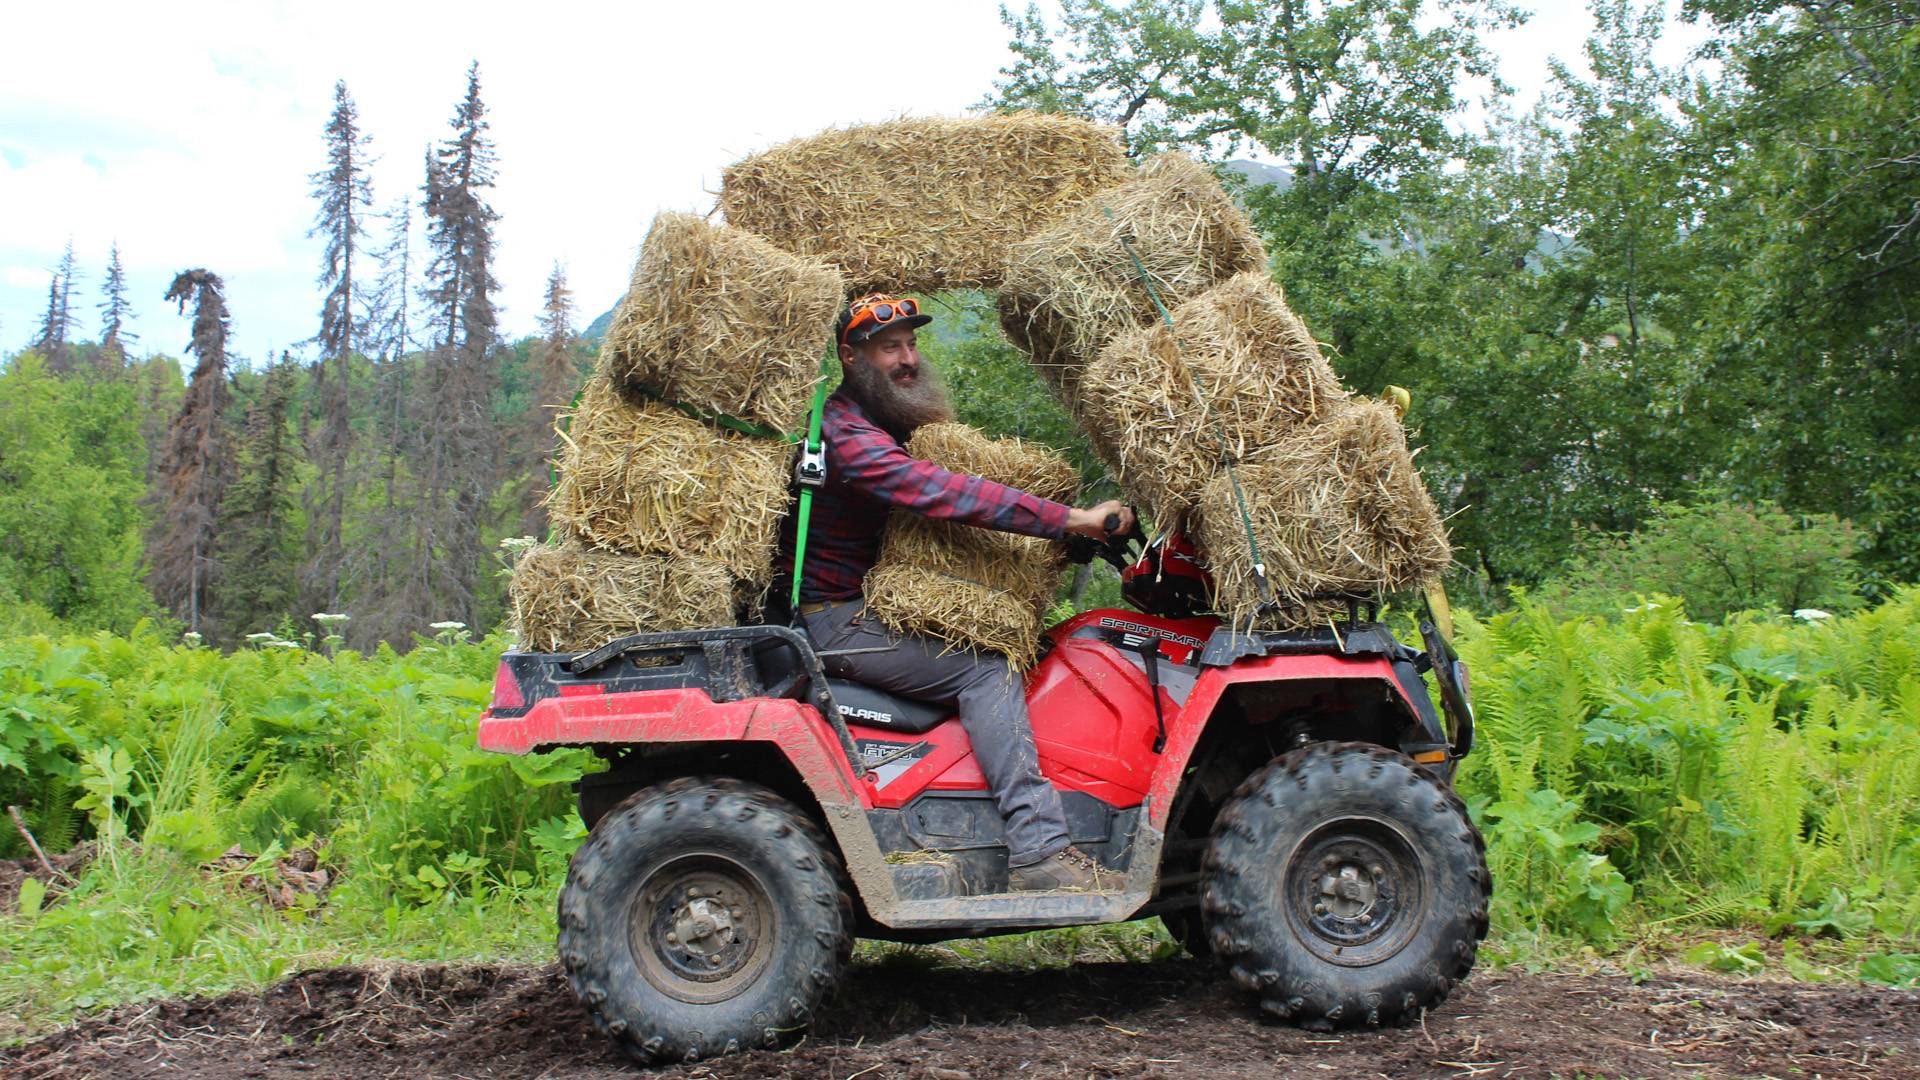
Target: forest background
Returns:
[[1658, 328]]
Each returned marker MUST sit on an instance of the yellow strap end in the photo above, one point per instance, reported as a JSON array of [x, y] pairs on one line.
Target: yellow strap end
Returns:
[[1399, 398]]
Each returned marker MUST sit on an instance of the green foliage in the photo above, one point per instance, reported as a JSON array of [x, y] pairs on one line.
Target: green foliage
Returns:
[[1718, 557], [260, 524], [71, 464], [1360, 89], [1893, 969], [1808, 248], [1647, 769], [166, 756], [1744, 960]]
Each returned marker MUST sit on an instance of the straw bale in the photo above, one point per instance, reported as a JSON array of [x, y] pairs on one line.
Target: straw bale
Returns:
[[723, 320], [569, 599], [1338, 508], [1072, 287], [1239, 367], [922, 205], [961, 612], [641, 477], [973, 588], [1024, 567], [1028, 466]]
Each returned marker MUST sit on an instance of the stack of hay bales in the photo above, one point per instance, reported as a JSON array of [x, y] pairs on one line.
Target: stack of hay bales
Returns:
[[970, 587], [1072, 286], [569, 598], [667, 521], [1238, 369], [723, 320], [1336, 505], [922, 205], [664, 521], [1337, 509]]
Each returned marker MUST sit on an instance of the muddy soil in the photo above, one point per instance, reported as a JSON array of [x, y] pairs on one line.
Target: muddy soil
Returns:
[[897, 1022]]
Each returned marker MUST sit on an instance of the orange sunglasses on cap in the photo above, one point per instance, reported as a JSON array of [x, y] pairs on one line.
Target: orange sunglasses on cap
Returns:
[[879, 309]]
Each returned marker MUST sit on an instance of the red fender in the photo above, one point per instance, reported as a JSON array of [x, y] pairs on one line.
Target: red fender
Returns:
[[1184, 730], [669, 716]]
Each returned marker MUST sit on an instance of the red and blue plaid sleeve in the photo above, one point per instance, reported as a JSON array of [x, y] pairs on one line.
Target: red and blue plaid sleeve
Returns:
[[871, 462]]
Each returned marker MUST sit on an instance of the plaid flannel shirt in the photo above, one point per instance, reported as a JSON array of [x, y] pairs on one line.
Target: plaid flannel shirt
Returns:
[[868, 474]]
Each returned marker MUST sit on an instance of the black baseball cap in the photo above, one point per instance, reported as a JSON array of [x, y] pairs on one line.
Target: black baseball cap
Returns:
[[898, 311]]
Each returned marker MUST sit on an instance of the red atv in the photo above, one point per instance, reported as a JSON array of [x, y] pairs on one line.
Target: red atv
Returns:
[[1280, 800]]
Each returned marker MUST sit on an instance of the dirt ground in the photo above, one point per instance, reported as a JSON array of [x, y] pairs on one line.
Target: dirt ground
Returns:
[[893, 1022]]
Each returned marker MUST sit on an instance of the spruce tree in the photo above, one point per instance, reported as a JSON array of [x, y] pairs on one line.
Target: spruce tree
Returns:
[[55, 342], [345, 196], [556, 378], [258, 540], [456, 463], [375, 589], [194, 469], [114, 311]]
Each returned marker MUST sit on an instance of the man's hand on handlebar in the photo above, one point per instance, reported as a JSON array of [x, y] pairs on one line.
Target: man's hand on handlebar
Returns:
[[1109, 519]]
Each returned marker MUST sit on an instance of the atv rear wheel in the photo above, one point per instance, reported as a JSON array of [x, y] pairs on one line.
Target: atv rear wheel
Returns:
[[703, 917], [1345, 886]]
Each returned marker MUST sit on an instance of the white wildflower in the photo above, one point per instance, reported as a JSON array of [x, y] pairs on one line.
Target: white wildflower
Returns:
[[263, 638], [1811, 614], [329, 618], [448, 625]]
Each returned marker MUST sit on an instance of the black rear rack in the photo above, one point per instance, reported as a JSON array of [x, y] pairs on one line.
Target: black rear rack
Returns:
[[730, 664]]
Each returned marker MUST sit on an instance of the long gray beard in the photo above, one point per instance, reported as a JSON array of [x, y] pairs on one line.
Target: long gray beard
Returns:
[[899, 408]]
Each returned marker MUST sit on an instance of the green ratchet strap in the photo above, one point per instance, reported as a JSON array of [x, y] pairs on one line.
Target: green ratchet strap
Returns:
[[809, 471], [717, 419], [712, 419], [1226, 459]]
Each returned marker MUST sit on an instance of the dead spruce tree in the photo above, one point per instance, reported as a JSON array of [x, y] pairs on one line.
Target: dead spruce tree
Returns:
[[55, 340], [194, 470]]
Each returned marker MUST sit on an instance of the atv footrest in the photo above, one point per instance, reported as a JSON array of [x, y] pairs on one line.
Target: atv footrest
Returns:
[[1011, 912]]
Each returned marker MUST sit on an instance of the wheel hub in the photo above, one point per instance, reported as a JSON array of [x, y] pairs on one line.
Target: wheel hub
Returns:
[[1353, 891], [1350, 891], [700, 928]]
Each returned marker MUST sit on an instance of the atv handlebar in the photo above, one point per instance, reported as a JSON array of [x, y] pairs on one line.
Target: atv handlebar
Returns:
[[1116, 549]]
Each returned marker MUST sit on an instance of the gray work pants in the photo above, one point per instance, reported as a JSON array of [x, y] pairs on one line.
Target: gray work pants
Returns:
[[992, 702]]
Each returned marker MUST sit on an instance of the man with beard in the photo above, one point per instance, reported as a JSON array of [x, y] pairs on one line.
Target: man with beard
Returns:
[[887, 391]]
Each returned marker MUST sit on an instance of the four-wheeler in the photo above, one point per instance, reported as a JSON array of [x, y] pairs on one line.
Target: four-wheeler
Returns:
[[1281, 800]]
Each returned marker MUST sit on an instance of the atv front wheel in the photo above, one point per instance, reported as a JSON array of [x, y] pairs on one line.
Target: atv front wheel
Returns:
[[1345, 886], [703, 917]]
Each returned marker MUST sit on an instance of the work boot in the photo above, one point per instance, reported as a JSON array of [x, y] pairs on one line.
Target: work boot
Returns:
[[1068, 870]]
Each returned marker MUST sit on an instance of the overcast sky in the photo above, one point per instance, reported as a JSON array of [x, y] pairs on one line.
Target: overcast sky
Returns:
[[188, 135]]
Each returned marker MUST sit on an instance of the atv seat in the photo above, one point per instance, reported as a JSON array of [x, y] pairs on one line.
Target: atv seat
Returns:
[[872, 707]]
